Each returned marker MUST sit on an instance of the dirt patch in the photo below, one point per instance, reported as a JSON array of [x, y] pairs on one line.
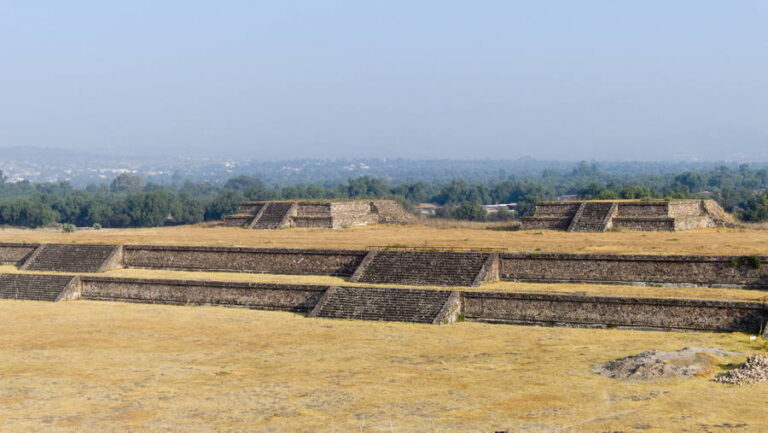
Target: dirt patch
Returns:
[[657, 364], [754, 370]]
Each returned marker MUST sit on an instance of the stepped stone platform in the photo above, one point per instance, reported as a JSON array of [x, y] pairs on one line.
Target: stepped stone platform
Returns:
[[317, 214], [73, 258], [394, 305], [13, 253], [35, 287], [650, 215], [427, 268], [404, 305]]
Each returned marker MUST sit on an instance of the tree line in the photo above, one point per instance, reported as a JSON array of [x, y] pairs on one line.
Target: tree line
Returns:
[[130, 202]]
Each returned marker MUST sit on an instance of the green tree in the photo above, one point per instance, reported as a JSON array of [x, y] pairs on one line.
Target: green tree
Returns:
[[469, 211], [127, 182]]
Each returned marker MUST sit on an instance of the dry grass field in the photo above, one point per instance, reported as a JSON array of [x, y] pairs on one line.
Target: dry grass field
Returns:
[[741, 241], [82, 366], [110, 367]]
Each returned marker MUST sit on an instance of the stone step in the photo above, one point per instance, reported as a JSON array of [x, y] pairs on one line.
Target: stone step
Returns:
[[593, 217], [273, 215], [70, 258], [249, 208], [385, 304], [423, 268], [33, 287]]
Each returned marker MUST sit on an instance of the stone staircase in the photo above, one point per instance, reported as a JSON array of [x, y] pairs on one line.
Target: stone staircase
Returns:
[[425, 268], [247, 214], [593, 217], [273, 216], [34, 287], [385, 304], [71, 258]]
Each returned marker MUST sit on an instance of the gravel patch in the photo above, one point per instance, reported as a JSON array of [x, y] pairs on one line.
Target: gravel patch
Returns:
[[657, 364], [754, 370]]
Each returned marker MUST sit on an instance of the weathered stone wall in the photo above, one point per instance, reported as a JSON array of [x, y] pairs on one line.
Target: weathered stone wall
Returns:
[[719, 216], [679, 208], [310, 209], [681, 314], [257, 260], [633, 215], [327, 214], [650, 209], [353, 213], [489, 272], [285, 297], [546, 223], [644, 224], [15, 253], [312, 222], [250, 208], [565, 209], [693, 222], [681, 270], [521, 308], [390, 212], [237, 220]]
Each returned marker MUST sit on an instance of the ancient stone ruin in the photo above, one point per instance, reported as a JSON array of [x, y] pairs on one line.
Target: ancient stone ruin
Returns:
[[649, 215], [316, 214], [59, 272]]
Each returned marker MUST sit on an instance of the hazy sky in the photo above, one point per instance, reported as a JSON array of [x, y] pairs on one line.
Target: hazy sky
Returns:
[[274, 79]]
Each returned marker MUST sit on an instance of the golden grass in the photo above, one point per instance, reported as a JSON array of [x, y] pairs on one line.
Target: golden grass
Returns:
[[112, 367], [740, 241], [496, 286]]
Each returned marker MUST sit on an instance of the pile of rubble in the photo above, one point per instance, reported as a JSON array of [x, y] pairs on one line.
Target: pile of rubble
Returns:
[[754, 370], [657, 364]]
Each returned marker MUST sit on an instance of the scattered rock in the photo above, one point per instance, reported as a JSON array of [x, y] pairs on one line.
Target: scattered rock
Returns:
[[656, 364], [754, 370]]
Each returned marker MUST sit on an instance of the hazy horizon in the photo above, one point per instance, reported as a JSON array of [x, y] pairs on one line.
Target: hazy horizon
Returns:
[[565, 81]]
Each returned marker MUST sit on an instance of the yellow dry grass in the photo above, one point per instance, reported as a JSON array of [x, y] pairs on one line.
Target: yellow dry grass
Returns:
[[741, 241], [110, 367]]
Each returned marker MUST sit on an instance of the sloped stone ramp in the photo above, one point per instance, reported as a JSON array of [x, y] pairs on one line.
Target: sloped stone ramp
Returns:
[[36, 287], [73, 258], [427, 268], [386, 304], [273, 216]]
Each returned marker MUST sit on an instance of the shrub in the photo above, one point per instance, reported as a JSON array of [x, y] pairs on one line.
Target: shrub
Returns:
[[753, 262], [469, 211], [96, 226], [68, 228]]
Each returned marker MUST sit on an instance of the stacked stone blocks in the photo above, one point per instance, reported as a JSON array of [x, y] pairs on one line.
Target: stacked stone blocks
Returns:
[[316, 214], [74, 258], [38, 287], [397, 305], [599, 216], [424, 268]]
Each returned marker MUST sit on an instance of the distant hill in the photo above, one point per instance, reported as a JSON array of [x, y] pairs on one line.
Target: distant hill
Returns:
[[40, 154]]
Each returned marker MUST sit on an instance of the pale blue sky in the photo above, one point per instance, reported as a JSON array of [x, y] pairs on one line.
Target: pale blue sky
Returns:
[[581, 79]]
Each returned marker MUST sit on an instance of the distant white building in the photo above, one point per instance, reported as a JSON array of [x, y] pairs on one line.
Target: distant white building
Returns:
[[568, 197], [426, 209], [492, 208]]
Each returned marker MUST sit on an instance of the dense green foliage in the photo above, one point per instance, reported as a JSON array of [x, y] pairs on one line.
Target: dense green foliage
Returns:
[[129, 202]]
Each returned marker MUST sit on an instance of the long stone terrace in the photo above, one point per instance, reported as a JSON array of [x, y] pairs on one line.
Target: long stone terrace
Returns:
[[398, 267], [407, 305]]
